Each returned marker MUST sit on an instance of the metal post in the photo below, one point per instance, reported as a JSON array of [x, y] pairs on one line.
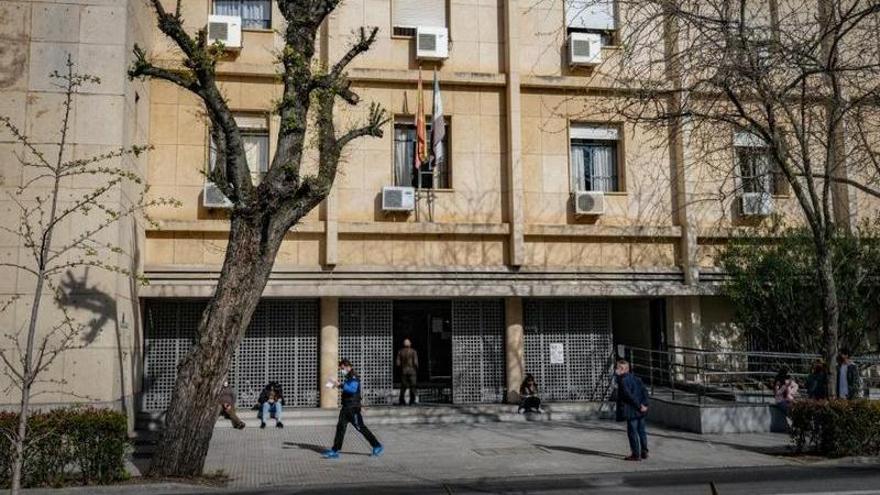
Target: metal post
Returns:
[[651, 365]]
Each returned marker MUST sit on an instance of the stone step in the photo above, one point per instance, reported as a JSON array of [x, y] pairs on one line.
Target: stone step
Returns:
[[396, 415]]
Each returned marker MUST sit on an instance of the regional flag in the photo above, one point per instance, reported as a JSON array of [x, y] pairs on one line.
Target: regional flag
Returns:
[[421, 131]]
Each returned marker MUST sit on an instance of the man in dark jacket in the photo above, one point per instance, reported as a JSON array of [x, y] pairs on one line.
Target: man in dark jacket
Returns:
[[632, 407], [270, 402], [849, 382], [351, 412]]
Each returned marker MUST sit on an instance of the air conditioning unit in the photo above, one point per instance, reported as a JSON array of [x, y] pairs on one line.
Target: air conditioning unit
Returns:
[[398, 198], [758, 204], [212, 197], [432, 43], [584, 49], [226, 29], [589, 203]]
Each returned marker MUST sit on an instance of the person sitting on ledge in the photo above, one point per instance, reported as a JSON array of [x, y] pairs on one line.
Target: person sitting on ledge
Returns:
[[271, 400]]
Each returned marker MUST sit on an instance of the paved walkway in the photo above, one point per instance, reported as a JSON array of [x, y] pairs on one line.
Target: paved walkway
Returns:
[[418, 453]]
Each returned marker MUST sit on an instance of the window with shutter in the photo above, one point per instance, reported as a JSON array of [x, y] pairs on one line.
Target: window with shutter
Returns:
[[595, 158], [407, 15], [592, 16]]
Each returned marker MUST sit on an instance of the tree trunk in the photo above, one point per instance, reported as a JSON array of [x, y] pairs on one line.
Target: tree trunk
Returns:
[[830, 314], [190, 418]]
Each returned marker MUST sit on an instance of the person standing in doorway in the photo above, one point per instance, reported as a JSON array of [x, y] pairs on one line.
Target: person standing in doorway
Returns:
[[408, 362], [350, 385], [849, 382], [632, 407]]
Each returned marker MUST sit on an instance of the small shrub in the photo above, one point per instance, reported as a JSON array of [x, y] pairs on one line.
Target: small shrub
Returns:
[[836, 428], [82, 444]]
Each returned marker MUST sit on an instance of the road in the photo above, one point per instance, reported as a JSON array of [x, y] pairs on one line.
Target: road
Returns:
[[787, 480]]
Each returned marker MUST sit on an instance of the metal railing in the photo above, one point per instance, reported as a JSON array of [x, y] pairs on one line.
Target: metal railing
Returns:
[[699, 375]]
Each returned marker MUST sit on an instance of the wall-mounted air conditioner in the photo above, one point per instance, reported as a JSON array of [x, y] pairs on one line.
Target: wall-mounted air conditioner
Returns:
[[226, 29], [432, 43], [398, 198], [589, 203], [212, 197], [584, 49], [758, 204]]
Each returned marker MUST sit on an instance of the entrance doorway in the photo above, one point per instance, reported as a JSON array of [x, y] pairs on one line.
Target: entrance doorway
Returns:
[[428, 325]]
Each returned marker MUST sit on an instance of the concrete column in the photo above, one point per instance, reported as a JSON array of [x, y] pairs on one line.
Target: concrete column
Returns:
[[514, 347], [514, 133], [331, 225], [329, 349], [686, 328], [678, 160]]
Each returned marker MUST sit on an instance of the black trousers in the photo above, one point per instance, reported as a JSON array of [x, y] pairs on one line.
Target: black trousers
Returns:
[[408, 381], [352, 415]]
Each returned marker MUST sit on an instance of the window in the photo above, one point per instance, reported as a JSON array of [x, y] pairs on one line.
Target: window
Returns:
[[407, 15], [433, 175], [757, 173], [254, 130], [255, 14], [592, 16], [594, 158]]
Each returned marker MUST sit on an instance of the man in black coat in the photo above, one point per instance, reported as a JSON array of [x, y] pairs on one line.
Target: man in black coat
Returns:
[[632, 407]]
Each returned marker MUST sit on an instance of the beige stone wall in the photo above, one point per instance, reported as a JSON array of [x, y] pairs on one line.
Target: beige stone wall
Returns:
[[97, 34]]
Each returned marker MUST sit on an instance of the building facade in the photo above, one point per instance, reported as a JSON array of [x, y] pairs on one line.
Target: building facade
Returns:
[[499, 270]]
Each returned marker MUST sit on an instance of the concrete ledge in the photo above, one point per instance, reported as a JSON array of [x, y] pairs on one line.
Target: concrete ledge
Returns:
[[396, 415], [717, 418]]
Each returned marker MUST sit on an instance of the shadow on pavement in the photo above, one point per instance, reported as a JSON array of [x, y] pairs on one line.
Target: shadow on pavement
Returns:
[[579, 451], [305, 446]]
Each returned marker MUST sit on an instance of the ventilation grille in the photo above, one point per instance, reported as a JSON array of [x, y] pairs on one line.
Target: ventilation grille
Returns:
[[403, 31], [581, 48], [427, 42], [218, 30]]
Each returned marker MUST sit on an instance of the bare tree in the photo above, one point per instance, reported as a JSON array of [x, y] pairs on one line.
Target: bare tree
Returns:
[[47, 207], [796, 79], [261, 214]]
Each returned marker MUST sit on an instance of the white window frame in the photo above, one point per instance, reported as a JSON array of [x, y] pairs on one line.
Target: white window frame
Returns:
[[446, 175], [746, 142], [582, 135], [250, 124]]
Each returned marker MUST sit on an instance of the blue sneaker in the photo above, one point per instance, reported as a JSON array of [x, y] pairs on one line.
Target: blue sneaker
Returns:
[[377, 451], [331, 454]]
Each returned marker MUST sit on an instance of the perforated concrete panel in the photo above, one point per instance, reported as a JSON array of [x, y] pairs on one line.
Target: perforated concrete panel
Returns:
[[478, 364], [365, 339], [281, 344], [568, 343]]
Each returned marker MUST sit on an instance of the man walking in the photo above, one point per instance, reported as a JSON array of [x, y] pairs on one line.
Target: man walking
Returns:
[[849, 382], [351, 412], [632, 407], [408, 362]]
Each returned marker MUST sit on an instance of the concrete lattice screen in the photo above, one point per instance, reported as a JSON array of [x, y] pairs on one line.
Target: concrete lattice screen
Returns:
[[281, 344]]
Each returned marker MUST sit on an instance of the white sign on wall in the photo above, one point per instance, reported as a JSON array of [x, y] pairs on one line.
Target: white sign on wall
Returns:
[[557, 353]]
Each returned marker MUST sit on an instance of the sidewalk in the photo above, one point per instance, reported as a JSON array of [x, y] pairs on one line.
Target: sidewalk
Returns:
[[255, 458]]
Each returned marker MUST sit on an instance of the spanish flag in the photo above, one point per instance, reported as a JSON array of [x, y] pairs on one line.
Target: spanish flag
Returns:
[[421, 130]]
